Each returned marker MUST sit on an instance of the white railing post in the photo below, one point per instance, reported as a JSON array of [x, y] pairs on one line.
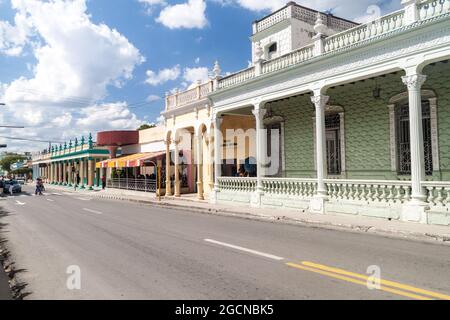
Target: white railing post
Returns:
[[411, 11]]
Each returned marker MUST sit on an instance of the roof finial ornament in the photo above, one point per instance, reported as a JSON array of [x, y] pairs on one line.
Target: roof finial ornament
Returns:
[[217, 71], [319, 27]]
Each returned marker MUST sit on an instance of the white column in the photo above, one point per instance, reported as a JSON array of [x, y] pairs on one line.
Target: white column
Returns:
[[320, 102], [414, 83], [168, 169], [217, 119], [177, 170], [259, 114], [199, 139], [317, 204]]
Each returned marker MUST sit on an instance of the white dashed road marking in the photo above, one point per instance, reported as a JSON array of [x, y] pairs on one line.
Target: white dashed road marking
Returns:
[[262, 254], [92, 211], [20, 203], [50, 200]]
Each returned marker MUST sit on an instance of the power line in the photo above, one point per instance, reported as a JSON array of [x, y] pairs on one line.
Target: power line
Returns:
[[30, 140]]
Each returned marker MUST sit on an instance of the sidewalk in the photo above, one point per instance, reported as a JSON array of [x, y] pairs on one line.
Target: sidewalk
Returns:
[[5, 291], [361, 224]]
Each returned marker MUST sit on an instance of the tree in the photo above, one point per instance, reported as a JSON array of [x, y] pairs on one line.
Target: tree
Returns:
[[9, 159], [23, 171], [146, 126]]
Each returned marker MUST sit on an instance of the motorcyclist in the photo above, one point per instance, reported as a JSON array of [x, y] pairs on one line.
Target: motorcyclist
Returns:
[[39, 187]]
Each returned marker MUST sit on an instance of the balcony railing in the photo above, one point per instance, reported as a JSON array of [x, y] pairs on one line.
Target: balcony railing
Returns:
[[143, 185], [304, 188], [376, 192], [364, 32], [438, 193], [290, 59], [237, 78], [237, 184], [432, 8], [181, 99], [349, 38], [369, 190]]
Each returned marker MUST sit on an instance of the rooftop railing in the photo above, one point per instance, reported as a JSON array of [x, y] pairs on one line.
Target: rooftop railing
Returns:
[[180, 99], [356, 36], [428, 9]]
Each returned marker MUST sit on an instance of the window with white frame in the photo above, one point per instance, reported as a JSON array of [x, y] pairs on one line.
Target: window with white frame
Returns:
[[335, 140], [400, 133]]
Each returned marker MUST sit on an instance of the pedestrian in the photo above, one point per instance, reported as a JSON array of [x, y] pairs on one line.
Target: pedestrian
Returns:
[[77, 180], [103, 182], [2, 186], [11, 186]]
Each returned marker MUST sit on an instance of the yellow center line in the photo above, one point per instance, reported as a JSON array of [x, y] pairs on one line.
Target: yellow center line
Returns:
[[384, 282], [364, 283]]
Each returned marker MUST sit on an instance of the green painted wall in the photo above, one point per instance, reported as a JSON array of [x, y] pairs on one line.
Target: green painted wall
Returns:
[[366, 126], [439, 80], [299, 140]]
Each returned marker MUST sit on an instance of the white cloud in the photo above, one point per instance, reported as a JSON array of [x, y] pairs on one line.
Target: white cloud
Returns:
[[350, 9], [163, 76], [153, 98], [13, 38], [150, 4], [76, 61], [153, 2], [187, 15], [192, 75], [111, 116]]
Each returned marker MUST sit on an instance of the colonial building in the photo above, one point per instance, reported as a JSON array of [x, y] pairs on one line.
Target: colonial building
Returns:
[[347, 118], [60, 164], [188, 137]]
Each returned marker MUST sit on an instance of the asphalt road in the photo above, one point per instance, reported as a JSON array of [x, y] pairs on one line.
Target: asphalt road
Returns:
[[131, 251]]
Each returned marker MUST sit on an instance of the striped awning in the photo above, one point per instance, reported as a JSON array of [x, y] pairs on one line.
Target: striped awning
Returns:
[[130, 161]]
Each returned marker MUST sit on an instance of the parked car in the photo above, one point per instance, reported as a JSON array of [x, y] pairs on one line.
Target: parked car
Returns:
[[17, 188], [21, 181]]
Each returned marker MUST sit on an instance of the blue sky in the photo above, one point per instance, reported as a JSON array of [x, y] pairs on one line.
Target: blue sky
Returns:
[[69, 67]]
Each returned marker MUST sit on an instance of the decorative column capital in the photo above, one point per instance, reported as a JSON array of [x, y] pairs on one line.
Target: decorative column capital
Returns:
[[320, 101], [415, 81], [259, 113]]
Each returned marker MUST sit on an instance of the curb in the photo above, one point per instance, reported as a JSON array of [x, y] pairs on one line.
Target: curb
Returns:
[[394, 234]]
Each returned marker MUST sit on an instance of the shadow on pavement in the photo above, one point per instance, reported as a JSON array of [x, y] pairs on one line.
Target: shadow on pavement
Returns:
[[10, 285]]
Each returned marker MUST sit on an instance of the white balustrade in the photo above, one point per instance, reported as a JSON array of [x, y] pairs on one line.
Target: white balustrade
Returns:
[[364, 32], [237, 78], [305, 188], [186, 97], [345, 39], [272, 19], [237, 184], [438, 193], [369, 191], [288, 60], [433, 8]]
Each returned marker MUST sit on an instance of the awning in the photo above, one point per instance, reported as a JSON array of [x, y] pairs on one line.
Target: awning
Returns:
[[130, 161]]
